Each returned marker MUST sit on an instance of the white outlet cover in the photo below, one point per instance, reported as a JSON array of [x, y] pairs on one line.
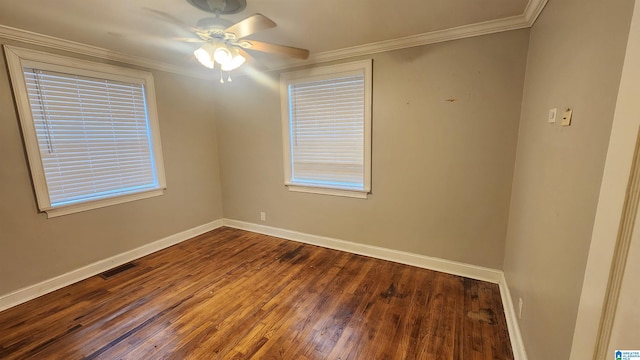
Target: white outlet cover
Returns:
[[552, 115], [520, 303]]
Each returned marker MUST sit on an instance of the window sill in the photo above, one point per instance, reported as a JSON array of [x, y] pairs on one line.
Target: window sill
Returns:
[[359, 194], [70, 209]]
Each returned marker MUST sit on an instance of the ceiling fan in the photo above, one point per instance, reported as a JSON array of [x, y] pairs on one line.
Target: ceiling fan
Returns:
[[225, 43]]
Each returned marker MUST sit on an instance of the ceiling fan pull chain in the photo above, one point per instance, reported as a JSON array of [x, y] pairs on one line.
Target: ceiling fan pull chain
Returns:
[[221, 79], [229, 76]]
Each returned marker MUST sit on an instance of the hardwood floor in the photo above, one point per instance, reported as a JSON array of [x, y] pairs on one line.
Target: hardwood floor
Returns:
[[232, 294]]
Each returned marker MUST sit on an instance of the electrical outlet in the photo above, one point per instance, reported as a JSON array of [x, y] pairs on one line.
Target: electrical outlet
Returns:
[[520, 303], [263, 216], [566, 118]]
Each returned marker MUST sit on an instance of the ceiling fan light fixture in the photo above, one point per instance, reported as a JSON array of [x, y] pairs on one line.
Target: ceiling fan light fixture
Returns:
[[222, 55], [235, 63], [204, 54], [227, 57]]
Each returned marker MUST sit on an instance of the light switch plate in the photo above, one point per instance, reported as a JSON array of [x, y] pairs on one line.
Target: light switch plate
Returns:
[[566, 118], [552, 115]]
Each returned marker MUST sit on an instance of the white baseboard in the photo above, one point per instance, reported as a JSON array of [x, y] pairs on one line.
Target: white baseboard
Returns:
[[517, 344], [47, 286], [426, 262]]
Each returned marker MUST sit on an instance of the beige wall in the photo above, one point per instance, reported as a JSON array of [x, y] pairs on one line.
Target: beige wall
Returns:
[[576, 50], [442, 170], [34, 248]]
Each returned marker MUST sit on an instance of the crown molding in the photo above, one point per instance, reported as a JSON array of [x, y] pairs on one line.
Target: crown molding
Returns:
[[433, 37], [533, 10], [527, 19], [33, 38]]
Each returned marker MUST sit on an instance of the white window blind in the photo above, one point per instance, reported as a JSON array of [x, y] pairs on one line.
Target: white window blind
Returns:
[[327, 132], [91, 131], [93, 136], [327, 129]]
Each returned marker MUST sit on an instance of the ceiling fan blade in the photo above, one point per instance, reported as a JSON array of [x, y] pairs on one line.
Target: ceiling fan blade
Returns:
[[250, 25], [174, 20], [276, 49], [187, 40], [150, 39]]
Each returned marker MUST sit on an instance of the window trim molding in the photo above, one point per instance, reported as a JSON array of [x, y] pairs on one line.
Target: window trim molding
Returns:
[[328, 191], [17, 58], [317, 74]]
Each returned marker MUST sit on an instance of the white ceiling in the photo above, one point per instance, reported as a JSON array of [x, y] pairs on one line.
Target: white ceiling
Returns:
[[327, 28]]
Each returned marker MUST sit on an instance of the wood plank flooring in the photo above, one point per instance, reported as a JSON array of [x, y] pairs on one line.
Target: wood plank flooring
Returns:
[[232, 294]]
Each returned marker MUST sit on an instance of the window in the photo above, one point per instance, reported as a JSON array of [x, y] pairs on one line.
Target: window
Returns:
[[91, 131], [326, 121]]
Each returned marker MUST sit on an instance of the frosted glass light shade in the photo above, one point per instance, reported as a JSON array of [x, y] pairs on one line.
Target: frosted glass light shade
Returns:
[[228, 58], [203, 54], [222, 55], [235, 63]]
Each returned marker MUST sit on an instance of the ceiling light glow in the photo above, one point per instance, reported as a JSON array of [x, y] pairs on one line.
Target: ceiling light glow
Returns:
[[227, 57], [235, 63], [203, 54], [222, 55]]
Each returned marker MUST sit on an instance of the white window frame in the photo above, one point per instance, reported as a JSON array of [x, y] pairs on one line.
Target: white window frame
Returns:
[[17, 58], [317, 74]]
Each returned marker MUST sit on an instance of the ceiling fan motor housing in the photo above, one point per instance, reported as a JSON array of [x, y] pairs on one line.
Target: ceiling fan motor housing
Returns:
[[215, 26], [220, 6]]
